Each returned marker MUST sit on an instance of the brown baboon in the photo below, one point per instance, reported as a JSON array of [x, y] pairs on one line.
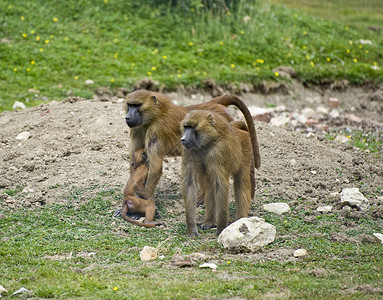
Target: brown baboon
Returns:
[[136, 199], [155, 125], [215, 149]]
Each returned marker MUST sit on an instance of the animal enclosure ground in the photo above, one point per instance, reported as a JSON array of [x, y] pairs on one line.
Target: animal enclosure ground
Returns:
[[60, 187]]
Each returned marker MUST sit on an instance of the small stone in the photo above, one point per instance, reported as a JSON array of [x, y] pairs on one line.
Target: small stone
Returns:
[[353, 118], [378, 237], [342, 139], [324, 209], [293, 162], [311, 135], [321, 127], [18, 105], [246, 19], [23, 136], [2, 290], [208, 265], [333, 102], [322, 110], [311, 122], [23, 290], [89, 81], [148, 253], [365, 42], [33, 91], [280, 121], [352, 197], [334, 113], [278, 208], [308, 112], [300, 253]]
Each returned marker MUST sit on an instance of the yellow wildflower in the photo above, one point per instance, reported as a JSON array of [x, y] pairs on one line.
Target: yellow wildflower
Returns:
[[46, 42], [33, 32], [164, 57], [242, 32], [328, 59], [22, 18], [115, 288], [28, 69], [33, 62], [312, 63], [221, 43], [276, 74], [149, 73], [55, 20], [76, 77], [348, 50], [191, 44], [179, 75], [24, 35], [41, 49], [232, 65], [355, 60], [112, 80], [14, 69], [154, 68]]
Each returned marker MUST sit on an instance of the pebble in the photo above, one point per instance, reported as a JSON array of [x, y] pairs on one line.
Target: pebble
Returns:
[[325, 209], [23, 136], [18, 104], [300, 253], [378, 237]]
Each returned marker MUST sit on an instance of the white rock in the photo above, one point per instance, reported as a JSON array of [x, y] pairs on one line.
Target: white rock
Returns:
[[23, 136], [148, 253], [293, 162], [301, 119], [308, 112], [322, 110], [2, 290], [375, 68], [247, 234], [89, 81], [365, 42], [334, 113], [325, 209], [209, 265], [280, 121], [311, 135], [278, 208], [379, 237], [300, 253], [341, 139], [354, 198], [18, 104], [23, 290]]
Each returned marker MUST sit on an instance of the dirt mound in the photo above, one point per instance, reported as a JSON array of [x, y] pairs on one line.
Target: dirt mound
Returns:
[[81, 144]]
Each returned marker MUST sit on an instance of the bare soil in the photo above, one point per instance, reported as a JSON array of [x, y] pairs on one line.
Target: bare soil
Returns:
[[84, 144]]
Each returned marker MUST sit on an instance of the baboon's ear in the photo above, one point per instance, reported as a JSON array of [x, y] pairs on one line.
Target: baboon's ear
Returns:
[[154, 98], [211, 119]]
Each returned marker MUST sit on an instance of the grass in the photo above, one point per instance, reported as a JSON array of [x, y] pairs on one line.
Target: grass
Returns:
[[79, 250], [368, 141], [49, 51]]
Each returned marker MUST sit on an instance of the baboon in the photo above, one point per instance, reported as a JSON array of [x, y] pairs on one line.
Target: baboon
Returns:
[[136, 199], [155, 125], [215, 149]]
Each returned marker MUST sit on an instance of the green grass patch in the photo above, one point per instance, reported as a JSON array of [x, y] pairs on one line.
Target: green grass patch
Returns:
[[49, 51], [80, 250]]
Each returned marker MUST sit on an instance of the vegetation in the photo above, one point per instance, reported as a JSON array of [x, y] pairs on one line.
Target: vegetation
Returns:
[[48, 51], [79, 250]]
